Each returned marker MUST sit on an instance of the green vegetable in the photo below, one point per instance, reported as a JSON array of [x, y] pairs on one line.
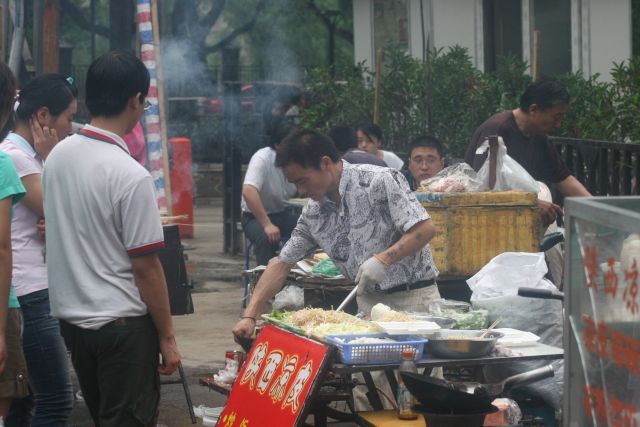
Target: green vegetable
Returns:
[[279, 314], [472, 320]]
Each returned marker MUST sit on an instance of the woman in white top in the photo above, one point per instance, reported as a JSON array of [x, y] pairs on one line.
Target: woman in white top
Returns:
[[45, 109], [370, 140]]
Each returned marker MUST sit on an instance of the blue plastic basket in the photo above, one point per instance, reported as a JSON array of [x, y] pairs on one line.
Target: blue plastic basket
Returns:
[[376, 353]]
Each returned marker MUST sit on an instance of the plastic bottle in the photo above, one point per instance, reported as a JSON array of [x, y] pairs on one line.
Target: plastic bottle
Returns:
[[405, 399]]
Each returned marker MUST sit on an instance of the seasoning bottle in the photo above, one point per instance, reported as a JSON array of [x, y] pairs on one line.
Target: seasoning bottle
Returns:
[[405, 399]]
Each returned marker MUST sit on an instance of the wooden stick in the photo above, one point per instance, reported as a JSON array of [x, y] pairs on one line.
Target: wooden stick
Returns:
[[50, 40], [493, 160], [535, 58], [161, 105], [376, 101]]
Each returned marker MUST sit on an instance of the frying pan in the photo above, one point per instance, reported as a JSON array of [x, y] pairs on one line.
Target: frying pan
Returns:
[[440, 396]]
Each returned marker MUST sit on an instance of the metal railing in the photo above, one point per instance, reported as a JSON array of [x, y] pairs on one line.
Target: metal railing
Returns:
[[605, 168]]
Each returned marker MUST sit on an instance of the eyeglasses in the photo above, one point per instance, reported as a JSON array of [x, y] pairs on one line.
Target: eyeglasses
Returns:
[[147, 104], [429, 161]]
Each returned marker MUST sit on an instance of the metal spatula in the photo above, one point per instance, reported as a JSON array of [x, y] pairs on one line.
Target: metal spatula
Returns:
[[348, 299]]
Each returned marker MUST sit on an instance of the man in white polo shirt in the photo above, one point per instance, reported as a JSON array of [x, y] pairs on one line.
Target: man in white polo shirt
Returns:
[[107, 285]]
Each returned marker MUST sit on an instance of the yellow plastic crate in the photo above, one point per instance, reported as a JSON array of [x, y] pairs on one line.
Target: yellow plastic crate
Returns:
[[472, 228]]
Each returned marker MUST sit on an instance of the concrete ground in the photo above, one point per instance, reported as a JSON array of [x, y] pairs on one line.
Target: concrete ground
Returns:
[[203, 336]]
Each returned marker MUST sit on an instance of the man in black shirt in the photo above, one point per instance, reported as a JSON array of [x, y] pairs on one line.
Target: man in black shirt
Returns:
[[524, 131]]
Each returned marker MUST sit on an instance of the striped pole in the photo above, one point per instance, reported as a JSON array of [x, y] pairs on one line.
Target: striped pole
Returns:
[[152, 115]]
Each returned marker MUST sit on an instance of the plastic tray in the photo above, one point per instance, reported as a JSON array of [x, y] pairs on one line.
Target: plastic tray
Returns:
[[516, 338], [408, 328], [376, 353]]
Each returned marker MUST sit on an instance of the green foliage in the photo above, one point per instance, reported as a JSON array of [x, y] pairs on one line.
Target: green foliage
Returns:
[[452, 98], [449, 98], [626, 98], [446, 97], [592, 114], [288, 37], [347, 100]]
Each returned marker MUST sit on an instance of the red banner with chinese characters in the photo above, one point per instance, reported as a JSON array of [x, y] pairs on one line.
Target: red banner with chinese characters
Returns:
[[281, 373]]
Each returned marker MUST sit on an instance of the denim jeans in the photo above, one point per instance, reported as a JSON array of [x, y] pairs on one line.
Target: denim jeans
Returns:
[[47, 362], [264, 250]]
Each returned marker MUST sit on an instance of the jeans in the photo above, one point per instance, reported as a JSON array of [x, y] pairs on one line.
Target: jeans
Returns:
[[47, 363], [264, 250]]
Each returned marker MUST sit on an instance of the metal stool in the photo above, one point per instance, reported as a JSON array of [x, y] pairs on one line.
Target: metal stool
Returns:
[[248, 244], [247, 259]]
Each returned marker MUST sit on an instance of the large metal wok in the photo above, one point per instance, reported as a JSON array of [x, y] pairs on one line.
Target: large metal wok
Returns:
[[446, 397]]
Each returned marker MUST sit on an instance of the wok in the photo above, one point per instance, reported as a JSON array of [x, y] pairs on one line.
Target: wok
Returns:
[[440, 396]]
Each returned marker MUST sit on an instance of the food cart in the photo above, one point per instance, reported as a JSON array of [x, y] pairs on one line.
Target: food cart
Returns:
[[336, 381], [602, 312]]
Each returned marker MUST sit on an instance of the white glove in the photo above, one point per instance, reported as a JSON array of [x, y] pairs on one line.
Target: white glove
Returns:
[[370, 273]]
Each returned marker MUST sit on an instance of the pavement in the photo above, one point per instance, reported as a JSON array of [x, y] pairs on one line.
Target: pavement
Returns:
[[204, 336]]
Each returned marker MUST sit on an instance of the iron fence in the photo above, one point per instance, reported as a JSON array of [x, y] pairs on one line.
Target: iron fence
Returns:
[[605, 168]]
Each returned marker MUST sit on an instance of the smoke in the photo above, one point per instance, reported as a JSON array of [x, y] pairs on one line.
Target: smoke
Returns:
[[282, 65], [185, 74]]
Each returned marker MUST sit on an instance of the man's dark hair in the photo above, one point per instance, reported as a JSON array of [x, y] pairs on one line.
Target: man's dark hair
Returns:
[[7, 93], [545, 93], [53, 91], [112, 80], [281, 126], [305, 147], [344, 138], [427, 141], [370, 130]]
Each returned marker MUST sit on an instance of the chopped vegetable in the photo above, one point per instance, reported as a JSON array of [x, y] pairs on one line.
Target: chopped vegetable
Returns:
[[474, 319]]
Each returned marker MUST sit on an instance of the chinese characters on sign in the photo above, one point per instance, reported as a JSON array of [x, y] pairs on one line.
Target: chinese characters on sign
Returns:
[[611, 280], [278, 377], [621, 414], [610, 344]]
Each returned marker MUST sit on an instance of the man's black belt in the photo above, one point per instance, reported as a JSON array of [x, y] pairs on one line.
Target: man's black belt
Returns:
[[407, 286]]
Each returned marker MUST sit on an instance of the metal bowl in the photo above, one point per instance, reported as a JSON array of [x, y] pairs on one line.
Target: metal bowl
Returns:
[[448, 343]]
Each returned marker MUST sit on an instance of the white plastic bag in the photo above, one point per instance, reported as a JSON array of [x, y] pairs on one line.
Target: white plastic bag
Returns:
[[510, 175], [495, 289], [290, 298], [456, 178], [507, 272]]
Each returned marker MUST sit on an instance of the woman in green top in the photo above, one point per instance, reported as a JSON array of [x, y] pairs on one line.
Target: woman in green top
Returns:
[[13, 380]]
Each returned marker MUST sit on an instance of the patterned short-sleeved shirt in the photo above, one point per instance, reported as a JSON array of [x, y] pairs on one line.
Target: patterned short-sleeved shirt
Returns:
[[376, 207]]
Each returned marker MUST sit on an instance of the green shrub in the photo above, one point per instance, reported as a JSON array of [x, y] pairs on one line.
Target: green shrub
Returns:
[[446, 96]]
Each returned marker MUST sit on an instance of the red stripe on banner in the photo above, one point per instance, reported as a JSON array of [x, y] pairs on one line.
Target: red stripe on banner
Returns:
[[148, 55], [144, 17], [157, 164], [162, 202], [153, 128], [153, 92], [146, 248]]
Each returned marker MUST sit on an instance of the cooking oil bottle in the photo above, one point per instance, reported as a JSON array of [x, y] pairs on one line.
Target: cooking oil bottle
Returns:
[[405, 399]]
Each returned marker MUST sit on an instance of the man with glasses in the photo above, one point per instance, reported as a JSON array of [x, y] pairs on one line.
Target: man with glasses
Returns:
[[426, 159], [107, 285]]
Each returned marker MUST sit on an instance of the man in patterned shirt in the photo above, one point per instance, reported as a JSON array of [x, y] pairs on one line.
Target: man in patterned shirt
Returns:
[[364, 217]]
